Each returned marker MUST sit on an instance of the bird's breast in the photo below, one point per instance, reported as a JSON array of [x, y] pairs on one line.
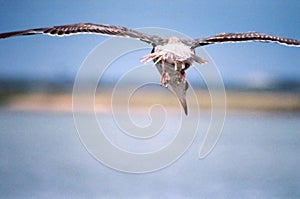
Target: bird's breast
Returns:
[[175, 52]]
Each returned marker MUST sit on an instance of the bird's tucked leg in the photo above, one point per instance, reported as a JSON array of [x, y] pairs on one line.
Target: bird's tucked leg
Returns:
[[175, 65], [165, 78], [157, 57]]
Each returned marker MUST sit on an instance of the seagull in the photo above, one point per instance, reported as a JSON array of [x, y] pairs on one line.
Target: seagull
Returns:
[[172, 56]]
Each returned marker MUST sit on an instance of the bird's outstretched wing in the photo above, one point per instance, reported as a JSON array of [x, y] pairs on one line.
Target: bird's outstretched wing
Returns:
[[83, 28], [243, 37]]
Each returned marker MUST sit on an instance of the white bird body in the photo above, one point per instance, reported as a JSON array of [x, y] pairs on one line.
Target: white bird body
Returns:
[[175, 50]]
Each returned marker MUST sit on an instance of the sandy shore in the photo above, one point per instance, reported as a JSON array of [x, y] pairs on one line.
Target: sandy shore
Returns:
[[62, 102]]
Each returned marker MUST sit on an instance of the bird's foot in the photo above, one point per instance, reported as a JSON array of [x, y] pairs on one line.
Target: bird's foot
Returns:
[[165, 78]]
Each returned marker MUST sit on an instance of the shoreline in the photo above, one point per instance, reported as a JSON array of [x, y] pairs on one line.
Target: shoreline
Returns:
[[235, 101]]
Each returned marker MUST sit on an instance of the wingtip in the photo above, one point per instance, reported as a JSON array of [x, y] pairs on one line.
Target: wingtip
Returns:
[[4, 35], [19, 33]]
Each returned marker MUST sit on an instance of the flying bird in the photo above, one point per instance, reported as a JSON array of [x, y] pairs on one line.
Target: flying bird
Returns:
[[171, 55]]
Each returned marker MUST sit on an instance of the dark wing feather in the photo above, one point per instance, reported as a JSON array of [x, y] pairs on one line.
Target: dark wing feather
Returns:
[[243, 37], [82, 28]]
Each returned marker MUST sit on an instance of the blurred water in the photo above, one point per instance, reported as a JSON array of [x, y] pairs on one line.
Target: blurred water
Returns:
[[257, 156]]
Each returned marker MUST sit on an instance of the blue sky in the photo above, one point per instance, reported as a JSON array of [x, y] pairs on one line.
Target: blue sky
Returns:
[[41, 57]]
